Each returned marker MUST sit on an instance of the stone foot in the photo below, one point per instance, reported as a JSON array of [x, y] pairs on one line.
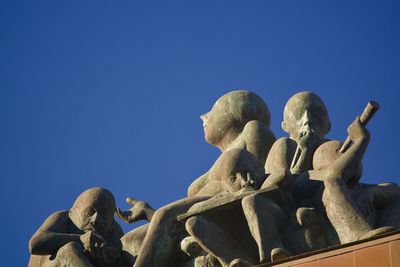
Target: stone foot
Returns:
[[240, 263], [279, 254], [378, 231]]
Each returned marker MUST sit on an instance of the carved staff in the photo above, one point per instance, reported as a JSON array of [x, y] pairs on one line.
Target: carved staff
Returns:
[[367, 114]]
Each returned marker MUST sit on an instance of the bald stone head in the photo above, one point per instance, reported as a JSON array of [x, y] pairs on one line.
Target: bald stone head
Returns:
[[230, 114], [94, 210], [305, 112], [237, 169]]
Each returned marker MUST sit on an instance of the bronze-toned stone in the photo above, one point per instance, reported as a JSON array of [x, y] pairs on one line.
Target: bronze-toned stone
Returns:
[[238, 121], [267, 201], [85, 235]]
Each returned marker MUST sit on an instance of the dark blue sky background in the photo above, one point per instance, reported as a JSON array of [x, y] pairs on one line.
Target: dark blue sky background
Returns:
[[109, 93]]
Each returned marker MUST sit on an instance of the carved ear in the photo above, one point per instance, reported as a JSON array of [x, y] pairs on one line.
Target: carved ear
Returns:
[[284, 127]]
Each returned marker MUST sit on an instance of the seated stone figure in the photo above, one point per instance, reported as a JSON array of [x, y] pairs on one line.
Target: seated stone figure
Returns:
[[355, 210], [239, 119], [225, 234], [86, 235], [306, 120]]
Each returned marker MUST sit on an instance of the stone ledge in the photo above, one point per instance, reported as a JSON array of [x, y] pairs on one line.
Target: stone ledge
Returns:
[[379, 251]]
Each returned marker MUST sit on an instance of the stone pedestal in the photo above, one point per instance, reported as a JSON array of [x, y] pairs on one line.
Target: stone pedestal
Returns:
[[382, 251]]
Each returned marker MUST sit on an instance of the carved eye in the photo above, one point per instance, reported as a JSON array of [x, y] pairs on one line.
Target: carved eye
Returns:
[[232, 179], [89, 212]]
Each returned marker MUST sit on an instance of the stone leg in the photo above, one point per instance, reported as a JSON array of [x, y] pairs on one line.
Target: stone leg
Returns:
[[343, 213], [71, 255], [263, 217], [160, 246], [132, 243], [214, 240]]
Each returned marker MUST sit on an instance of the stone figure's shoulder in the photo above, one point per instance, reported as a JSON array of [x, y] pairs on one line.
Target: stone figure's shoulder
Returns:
[[58, 217], [280, 154], [284, 144], [258, 139], [255, 128], [57, 222], [197, 185]]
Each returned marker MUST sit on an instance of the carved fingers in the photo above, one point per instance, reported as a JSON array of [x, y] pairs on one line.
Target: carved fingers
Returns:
[[357, 131], [308, 141], [93, 242], [139, 211], [96, 246]]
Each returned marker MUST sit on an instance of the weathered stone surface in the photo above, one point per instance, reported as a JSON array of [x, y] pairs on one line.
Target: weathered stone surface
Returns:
[[263, 200], [85, 235]]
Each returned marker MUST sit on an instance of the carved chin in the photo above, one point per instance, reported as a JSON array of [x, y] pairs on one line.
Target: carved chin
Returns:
[[209, 138], [212, 138]]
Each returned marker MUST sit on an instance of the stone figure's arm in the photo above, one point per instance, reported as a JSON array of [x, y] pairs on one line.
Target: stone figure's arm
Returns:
[[280, 177], [52, 235], [303, 156], [197, 185], [278, 162], [280, 156]]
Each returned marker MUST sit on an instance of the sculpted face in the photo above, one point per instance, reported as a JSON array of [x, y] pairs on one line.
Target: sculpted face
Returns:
[[93, 210], [305, 113], [217, 121], [226, 120], [238, 169]]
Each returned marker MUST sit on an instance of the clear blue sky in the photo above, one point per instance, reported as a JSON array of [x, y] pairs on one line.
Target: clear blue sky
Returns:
[[109, 93]]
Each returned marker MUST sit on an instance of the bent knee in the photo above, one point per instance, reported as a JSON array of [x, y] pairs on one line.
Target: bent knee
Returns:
[[248, 202], [194, 225], [161, 213], [257, 201], [167, 212]]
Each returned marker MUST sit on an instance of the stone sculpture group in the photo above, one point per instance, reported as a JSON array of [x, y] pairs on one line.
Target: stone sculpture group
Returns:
[[263, 199]]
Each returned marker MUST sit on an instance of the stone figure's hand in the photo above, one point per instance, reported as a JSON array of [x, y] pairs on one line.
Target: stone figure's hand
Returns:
[[308, 141], [93, 242], [357, 131], [140, 211]]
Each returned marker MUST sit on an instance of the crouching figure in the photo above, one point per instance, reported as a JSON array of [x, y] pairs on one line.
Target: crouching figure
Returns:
[[86, 235]]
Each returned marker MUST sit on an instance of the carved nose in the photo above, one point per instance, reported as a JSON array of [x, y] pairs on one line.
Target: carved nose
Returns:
[[97, 222], [306, 119], [246, 180], [204, 119], [94, 217]]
